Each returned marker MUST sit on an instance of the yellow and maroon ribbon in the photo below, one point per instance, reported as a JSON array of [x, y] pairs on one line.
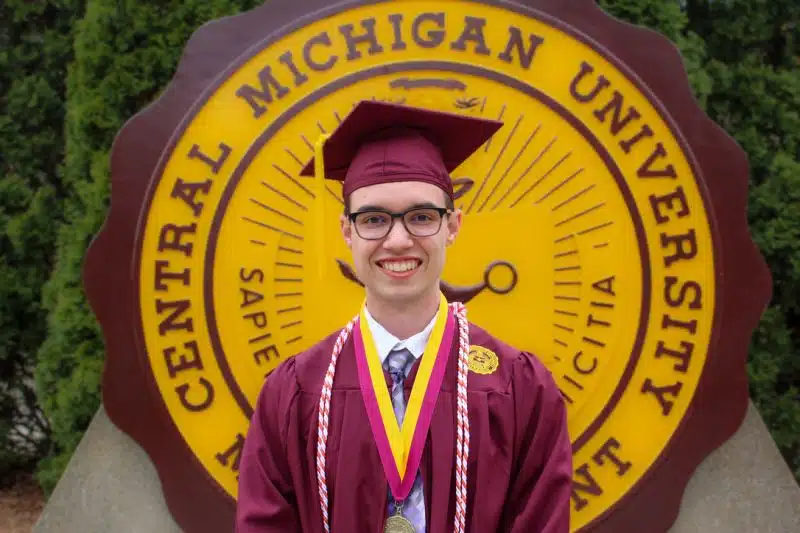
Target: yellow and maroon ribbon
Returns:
[[400, 448]]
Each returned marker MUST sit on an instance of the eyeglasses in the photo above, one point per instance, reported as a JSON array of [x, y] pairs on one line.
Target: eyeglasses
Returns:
[[375, 224]]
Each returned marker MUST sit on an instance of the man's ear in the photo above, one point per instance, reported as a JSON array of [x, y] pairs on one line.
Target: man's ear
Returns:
[[453, 226], [347, 230]]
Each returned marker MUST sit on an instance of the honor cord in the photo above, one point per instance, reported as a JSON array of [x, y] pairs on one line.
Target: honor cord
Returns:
[[462, 416]]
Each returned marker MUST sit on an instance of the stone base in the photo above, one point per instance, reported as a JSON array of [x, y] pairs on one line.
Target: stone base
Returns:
[[110, 485], [744, 486]]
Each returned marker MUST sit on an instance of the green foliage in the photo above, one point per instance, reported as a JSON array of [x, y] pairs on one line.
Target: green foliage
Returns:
[[668, 19], [125, 54], [35, 47], [774, 367], [756, 97], [768, 30], [664, 17]]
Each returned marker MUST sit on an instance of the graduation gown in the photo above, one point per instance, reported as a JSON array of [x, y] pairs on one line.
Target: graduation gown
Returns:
[[520, 457]]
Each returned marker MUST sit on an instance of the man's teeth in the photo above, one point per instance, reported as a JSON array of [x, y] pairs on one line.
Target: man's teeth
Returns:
[[399, 266]]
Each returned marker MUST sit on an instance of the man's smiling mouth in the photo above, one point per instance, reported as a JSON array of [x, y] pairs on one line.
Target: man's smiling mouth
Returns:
[[399, 266]]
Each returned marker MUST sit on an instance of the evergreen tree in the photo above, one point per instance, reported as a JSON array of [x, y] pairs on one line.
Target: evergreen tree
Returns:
[[753, 48], [35, 48], [125, 54]]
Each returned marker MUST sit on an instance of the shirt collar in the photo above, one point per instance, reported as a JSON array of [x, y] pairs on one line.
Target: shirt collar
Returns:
[[385, 342]]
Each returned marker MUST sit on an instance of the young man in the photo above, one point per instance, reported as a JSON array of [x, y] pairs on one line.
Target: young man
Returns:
[[369, 430]]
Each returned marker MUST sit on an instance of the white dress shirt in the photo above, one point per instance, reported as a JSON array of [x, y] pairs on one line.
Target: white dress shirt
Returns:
[[385, 342]]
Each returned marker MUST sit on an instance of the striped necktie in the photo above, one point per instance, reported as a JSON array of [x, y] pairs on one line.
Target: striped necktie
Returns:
[[398, 364]]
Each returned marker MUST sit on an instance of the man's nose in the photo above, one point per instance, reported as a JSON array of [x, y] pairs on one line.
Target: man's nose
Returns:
[[398, 236]]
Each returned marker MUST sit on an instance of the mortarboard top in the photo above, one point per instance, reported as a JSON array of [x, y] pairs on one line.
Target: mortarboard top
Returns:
[[382, 142]]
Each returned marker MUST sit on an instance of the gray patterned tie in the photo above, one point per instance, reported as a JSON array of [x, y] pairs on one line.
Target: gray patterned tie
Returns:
[[398, 364]]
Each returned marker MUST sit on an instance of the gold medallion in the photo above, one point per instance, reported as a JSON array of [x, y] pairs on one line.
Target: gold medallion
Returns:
[[482, 360], [397, 523]]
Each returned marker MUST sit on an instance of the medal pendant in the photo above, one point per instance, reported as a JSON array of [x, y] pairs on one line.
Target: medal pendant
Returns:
[[398, 524]]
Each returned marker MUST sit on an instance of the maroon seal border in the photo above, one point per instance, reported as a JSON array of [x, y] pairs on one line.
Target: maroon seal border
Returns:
[[654, 65]]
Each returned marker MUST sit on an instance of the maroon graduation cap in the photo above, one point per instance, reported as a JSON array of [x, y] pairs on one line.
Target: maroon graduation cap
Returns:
[[384, 142]]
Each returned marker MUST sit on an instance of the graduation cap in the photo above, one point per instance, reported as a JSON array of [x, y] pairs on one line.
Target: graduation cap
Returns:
[[381, 142]]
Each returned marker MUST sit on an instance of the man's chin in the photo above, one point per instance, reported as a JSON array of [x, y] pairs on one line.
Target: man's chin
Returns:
[[403, 295]]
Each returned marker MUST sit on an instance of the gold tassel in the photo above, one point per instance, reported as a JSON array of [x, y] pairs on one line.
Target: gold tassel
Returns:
[[319, 202]]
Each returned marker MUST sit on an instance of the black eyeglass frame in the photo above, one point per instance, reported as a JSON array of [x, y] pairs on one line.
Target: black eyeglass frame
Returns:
[[443, 212]]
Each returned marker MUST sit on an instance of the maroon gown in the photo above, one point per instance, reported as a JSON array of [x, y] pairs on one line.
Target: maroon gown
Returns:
[[520, 460]]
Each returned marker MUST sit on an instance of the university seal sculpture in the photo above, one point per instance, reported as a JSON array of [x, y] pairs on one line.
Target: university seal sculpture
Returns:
[[628, 266]]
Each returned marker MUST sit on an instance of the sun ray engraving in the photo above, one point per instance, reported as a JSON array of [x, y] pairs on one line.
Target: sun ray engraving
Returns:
[[293, 156], [541, 179], [510, 166], [293, 180], [276, 211], [525, 172], [601, 245], [290, 309], [574, 196], [336, 196], [557, 187], [565, 313], [566, 279], [564, 254], [273, 228], [499, 117], [595, 228], [567, 298], [288, 280], [284, 196], [290, 250], [580, 214], [560, 342], [307, 142], [291, 324], [594, 341], [287, 294], [258, 243], [288, 265], [573, 382], [494, 163], [293, 340], [566, 397]]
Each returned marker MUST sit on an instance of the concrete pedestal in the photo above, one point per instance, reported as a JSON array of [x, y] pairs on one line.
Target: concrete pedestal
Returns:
[[110, 485]]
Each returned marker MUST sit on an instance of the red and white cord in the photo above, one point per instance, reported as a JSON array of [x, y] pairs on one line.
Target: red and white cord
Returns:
[[462, 441], [322, 426]]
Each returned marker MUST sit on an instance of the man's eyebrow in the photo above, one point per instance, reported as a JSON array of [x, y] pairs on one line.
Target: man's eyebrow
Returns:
[[372, 207], [425, 204]]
